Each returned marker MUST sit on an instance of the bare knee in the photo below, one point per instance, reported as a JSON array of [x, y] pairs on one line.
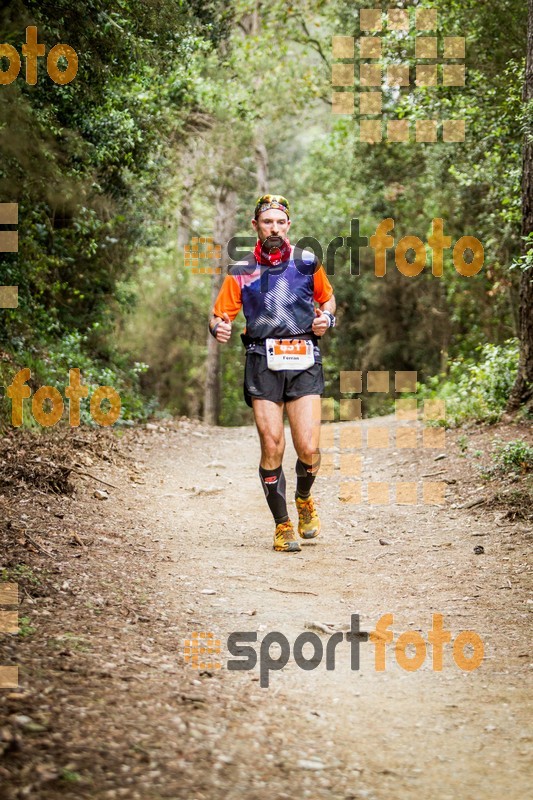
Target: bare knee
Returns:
[[272, 447], [309, 455]]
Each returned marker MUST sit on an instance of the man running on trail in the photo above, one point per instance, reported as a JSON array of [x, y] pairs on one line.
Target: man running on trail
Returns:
[[277, 286]]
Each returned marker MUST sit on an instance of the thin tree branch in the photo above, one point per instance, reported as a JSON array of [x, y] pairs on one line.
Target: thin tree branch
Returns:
[[310, 40]]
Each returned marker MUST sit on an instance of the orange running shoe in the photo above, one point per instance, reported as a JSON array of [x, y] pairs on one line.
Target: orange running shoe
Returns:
[[308, 521], [285, 540]]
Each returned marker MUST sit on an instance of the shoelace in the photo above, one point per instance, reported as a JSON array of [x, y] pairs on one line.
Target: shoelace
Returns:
[[307, 508], [285, 527]]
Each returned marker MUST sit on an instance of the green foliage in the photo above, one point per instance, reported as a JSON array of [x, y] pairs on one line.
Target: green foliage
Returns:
[[25, 629], [88, 164], [50, 367], [169, 329], [421, 323], [20, 572], [514, 455], [71, 776], [168, 106], [525, 261], [476, 389], [462, 443]]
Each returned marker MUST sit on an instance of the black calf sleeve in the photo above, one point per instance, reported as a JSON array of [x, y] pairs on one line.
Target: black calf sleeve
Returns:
[[273, 482], [305, 477]]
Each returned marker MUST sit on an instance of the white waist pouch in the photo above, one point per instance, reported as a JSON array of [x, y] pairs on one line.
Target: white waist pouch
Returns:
[[289, 354]]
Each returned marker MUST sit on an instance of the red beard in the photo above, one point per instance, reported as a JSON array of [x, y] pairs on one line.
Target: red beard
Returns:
[[272, 257]]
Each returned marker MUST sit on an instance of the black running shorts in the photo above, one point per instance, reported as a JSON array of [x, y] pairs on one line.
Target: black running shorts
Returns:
[[287, 384]]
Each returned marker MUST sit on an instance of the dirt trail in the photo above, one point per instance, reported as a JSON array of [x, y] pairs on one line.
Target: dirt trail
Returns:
[[111, 588], [342, 733]]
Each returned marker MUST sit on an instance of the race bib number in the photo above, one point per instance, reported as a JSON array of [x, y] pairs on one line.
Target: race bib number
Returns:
[[289, 354]]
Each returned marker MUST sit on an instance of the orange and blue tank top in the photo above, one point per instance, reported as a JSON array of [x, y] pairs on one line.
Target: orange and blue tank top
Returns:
[[276, 301]]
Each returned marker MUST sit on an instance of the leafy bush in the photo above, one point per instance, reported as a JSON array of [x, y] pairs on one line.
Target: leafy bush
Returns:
[[50, 367], [477, 389], [514, 455]]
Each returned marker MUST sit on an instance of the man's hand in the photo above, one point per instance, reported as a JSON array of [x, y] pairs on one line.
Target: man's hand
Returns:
[[224, 329], [320, 323]]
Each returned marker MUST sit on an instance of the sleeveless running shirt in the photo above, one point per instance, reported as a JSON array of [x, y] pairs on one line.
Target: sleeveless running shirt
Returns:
[[276, 301]]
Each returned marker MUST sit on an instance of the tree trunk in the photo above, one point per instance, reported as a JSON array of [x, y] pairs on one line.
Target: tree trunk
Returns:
[[522, 393], [261, 163], [188, 180], [184, 219], [224, 229]]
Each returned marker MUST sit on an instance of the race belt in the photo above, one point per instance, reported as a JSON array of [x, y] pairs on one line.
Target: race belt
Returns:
[[289, 354]]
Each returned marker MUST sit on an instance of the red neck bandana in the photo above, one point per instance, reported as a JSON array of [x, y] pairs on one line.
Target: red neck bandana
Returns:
[[272, 257]]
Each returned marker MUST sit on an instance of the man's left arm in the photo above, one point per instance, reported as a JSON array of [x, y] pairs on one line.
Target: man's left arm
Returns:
[[325, 313], [330, 305], [324, 316]]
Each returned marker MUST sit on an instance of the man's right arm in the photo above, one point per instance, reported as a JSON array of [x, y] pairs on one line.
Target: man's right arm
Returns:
[[228, 302], [220, 328]]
